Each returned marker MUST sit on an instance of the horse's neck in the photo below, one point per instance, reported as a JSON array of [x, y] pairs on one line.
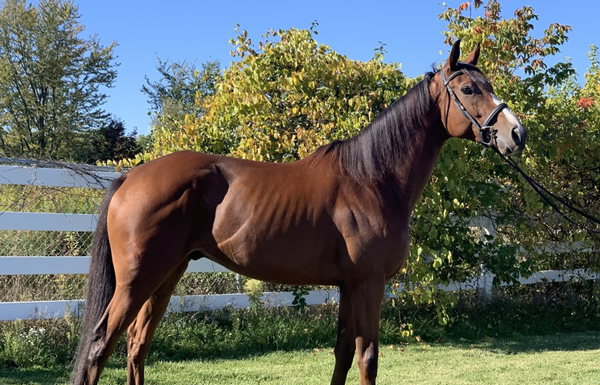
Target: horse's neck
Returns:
[[422, 169], [413, 174]]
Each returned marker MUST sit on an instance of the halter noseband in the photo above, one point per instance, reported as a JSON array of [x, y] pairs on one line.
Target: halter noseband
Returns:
[[486, 128]]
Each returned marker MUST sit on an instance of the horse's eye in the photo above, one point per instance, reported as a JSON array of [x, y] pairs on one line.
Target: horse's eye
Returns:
[[466, 90]]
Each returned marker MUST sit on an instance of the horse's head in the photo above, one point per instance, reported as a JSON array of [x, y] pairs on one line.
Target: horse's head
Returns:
[[469, 108]]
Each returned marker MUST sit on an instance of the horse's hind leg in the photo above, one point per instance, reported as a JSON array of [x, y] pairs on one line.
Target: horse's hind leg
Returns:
[[140, 332], [122, 309], [135, 284], [345, 344]]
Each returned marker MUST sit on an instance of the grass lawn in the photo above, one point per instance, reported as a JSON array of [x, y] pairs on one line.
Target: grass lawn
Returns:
[[554, 359]]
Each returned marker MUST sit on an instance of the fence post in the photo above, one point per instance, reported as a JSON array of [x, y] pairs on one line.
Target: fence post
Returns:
[[487, 285], [238, 283], [487, 278]]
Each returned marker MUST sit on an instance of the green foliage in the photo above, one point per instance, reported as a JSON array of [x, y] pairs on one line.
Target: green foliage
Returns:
[[235, 333], [299, 292], [31, 343], [178, 93], [288, 95], [294, 95], [254, 289], [179, 86], [525, 310], [280, 103], [50, 79]]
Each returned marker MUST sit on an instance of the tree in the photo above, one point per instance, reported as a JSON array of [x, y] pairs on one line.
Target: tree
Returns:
[[282, 102], [178, 93], [111, 142], [50, 79], [180, 85]]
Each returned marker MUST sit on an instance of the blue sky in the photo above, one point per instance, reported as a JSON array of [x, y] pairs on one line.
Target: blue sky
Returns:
[[198, 31]]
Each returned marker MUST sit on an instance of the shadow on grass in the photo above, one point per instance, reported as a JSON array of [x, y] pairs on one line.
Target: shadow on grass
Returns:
[[10, 376], [533, 344], [523, 344], [220, 354], [46, 376]]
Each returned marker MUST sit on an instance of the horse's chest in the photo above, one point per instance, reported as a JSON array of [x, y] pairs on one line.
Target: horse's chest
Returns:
[[373, 240]]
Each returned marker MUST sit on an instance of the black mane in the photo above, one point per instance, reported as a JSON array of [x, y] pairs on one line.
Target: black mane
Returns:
[[388, 139]]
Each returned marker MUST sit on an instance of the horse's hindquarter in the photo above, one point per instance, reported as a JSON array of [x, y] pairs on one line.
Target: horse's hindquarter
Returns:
[[155, 216]]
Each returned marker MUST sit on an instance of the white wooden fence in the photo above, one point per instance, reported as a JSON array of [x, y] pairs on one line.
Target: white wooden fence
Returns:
[[74, 177]]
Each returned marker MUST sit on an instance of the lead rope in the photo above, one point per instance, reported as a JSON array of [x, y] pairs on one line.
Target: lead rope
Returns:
[[545, 195], [537, 187]]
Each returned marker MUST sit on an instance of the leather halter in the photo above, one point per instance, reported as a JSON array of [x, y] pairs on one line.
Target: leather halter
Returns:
[[486, 128]]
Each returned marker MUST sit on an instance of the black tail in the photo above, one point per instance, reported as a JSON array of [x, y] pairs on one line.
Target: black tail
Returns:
[[101, 285]]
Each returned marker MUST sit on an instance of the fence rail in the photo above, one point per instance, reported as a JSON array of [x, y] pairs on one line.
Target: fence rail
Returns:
[[57, 177], [78, 265], [58, 309], [47, 221], [76, 177]]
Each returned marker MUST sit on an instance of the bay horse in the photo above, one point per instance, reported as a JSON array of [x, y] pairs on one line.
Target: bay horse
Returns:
[[338, 217]]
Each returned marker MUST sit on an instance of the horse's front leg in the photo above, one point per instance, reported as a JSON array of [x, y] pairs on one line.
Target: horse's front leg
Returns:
[[366, 309], [345, 345]]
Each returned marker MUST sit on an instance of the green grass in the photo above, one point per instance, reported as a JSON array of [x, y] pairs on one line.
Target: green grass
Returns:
[[276, 345], [552, 359]]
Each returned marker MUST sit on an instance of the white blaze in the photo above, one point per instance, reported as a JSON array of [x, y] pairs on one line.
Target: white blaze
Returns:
[[508, 114]]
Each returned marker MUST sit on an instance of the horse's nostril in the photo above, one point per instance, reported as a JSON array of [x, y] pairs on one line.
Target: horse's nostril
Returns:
[[516, 135]]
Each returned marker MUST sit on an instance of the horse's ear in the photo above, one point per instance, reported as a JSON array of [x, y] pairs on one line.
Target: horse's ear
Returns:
[[474, 56], [454, 55]]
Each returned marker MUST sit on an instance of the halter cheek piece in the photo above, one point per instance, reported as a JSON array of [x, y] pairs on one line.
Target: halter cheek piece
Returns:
[[486, 129]]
